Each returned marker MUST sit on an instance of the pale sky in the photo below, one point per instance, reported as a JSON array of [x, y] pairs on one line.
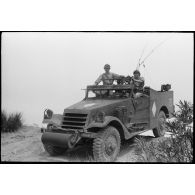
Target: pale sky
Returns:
[[48, 70]]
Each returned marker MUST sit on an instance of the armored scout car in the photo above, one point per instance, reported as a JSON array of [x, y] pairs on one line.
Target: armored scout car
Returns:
[[107, 115]]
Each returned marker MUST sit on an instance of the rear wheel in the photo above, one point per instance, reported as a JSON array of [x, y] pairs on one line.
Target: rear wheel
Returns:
[[159, 131], [54, 150], [106, 146]]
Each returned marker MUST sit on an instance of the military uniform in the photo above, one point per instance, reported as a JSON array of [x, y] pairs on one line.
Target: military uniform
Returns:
[[138, 86], [107, 78]]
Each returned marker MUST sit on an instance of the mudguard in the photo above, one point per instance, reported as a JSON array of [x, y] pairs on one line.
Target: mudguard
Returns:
[[107, 121]]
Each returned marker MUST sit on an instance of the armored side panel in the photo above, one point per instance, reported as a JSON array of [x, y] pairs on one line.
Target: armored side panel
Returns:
[[141, 115], [160, 101]]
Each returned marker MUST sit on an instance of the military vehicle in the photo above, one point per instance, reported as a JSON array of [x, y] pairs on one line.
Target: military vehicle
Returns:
[[107, 115]]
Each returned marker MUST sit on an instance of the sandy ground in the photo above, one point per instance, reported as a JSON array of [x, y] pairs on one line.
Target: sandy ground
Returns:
[[25, 146]]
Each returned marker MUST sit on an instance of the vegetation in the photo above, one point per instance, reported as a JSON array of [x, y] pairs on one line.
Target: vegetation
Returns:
[[178, 147], [11, 122]]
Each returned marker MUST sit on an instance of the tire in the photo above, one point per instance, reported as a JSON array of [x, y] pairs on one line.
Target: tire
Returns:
[[54, 150], [159, 131], [106, 146]]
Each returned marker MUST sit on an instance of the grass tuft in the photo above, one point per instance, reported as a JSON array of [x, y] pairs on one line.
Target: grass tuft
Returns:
[[11, 122]]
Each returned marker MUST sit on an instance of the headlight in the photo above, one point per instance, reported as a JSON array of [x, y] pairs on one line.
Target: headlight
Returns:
[[44, 125], [48, 114], [100, 117]]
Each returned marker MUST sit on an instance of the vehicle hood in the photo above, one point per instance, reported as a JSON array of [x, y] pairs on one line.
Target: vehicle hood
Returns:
[[88, 105]]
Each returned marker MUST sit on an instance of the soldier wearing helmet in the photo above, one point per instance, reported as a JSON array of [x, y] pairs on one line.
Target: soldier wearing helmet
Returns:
[[108, 77], [138, 83]]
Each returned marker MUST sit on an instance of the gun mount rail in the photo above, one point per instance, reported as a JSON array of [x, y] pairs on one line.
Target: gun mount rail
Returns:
[[109, 87]]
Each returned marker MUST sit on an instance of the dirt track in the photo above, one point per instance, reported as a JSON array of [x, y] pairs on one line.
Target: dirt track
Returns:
[[25, 145]]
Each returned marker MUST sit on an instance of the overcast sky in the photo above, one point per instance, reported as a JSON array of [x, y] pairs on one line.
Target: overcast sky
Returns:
[[48, 70]]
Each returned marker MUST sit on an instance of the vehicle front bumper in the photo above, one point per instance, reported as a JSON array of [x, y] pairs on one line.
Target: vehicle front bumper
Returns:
[[65, 139]]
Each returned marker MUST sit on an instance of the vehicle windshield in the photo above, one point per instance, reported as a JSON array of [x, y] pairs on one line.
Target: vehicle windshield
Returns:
[[107, 92]]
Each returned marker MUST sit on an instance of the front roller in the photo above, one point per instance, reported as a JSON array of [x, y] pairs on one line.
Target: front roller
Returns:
[[56, 143]]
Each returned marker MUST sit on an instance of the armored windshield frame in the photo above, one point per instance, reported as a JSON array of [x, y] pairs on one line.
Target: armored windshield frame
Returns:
[[118, 88]]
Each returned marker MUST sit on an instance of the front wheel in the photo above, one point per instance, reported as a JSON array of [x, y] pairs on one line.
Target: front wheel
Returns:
[[106, 146], [159, 131]]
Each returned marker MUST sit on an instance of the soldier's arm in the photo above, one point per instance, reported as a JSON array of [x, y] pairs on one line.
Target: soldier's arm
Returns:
[[140, 80], [131, 83], [99, 79], [116, 76], [132, 79]]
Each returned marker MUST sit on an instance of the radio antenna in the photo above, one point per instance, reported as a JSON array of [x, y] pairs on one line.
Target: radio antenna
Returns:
[[138, 64], [150, 53]]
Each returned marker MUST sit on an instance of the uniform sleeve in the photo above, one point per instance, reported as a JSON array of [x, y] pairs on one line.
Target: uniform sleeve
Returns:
[[99, 79]]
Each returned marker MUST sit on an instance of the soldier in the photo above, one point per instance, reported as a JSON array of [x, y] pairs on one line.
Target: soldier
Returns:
[[108, 77], [138, 83]]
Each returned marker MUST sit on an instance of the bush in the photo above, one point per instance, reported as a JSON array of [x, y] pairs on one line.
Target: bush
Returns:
[[145, 151], [10, 123], [3, 121], [178, 147]]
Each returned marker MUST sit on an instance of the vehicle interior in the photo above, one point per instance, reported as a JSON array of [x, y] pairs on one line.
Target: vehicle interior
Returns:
[[121, 89]]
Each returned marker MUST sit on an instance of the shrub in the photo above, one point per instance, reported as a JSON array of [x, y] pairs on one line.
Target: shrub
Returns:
[[10, 123], [178, 147], [3, 121], [145, 151]]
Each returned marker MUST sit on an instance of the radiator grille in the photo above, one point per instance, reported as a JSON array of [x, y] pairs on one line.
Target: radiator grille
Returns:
[[74, 121]]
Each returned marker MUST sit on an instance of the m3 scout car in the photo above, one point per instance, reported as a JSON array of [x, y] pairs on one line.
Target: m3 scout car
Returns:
[[107, 115]]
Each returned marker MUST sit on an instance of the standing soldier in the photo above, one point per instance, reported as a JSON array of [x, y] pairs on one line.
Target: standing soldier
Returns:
[[138, 83], [108, 77]]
